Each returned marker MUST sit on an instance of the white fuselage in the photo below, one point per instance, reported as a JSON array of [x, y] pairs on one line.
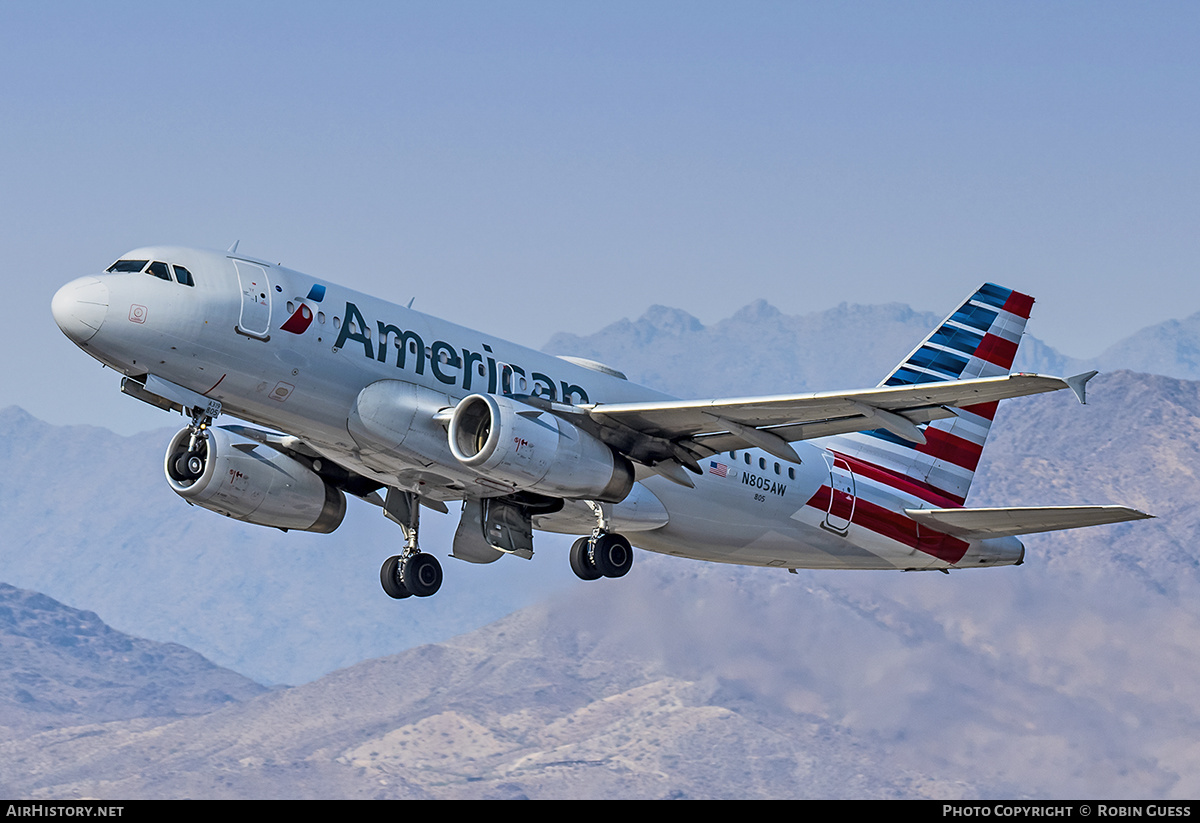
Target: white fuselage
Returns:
[[284, 350]]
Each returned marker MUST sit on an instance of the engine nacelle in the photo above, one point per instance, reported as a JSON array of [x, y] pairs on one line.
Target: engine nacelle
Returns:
[[394, 416], [536, 451], [246, 480]]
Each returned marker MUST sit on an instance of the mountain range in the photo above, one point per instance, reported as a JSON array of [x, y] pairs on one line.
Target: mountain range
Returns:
[[66, 667], [1074, 675], [759, 349]]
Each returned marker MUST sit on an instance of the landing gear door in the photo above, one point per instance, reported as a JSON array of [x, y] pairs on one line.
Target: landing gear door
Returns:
[[469, 542], [255, 317], [490, 529], [508, 528]]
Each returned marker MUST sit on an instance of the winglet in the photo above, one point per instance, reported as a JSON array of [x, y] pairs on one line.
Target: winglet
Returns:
[[1078, 384]]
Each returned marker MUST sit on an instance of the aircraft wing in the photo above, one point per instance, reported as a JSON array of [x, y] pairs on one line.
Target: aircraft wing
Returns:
[[681, 432], [980, 523]]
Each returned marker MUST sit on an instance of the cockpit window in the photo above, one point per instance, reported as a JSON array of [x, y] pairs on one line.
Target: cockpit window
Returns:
[[159, 270]]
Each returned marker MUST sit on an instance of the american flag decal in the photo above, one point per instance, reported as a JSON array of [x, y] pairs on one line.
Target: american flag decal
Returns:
[[719, 469]]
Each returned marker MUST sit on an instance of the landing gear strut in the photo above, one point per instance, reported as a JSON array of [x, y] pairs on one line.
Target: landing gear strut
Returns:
[[412, 572]]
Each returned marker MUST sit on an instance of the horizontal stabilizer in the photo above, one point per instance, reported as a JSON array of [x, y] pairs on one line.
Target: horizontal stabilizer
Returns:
[[981, 523]]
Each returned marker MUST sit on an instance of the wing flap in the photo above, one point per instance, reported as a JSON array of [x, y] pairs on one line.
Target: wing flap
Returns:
[[724, 441], [1005, 522]]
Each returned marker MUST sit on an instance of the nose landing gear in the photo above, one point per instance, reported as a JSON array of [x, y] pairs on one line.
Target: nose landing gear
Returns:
[[186, 465]]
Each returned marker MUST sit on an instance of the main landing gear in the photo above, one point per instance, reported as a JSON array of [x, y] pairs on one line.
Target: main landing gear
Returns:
[[605, 555], [602, 553], [416, 574], [412, 572]]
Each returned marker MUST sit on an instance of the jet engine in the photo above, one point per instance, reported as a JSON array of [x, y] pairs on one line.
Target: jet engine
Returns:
[[536, 451], [246, 480]]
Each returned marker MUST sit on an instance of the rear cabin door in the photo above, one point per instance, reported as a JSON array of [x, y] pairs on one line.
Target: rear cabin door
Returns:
[[842, 494]]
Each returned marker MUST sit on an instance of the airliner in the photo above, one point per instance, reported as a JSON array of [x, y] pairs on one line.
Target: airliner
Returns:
[[343, 394]]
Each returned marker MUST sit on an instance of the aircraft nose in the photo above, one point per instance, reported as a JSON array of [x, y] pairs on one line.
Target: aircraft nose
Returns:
[[79, 308]]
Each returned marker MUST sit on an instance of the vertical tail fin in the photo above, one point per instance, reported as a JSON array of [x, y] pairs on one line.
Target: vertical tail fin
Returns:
[[978, 339]]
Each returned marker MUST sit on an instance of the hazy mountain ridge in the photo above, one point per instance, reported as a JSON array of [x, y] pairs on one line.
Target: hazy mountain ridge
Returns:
[[1074, 675], [1170, 348], [527, 707], [1138, 443], [761, 350], [756, 348], [1055, 679], [62, 666]]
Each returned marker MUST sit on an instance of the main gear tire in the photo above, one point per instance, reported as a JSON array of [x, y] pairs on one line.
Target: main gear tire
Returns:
[[581, 563], [422, 574], [389, 578], [611, 555]]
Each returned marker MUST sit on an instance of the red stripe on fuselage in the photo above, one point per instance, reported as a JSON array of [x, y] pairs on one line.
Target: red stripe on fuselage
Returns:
[[898, 527], [941, 445], [902, 483]]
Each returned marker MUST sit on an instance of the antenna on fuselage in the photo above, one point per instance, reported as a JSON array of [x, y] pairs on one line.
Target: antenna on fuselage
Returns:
[[410, 302], [233, 248]]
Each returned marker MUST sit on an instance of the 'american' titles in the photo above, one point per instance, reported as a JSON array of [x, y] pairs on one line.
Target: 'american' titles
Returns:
[[451, 365]]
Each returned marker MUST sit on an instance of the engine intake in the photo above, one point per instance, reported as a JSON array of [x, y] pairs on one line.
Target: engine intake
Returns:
[[536, 451], [246, 480]]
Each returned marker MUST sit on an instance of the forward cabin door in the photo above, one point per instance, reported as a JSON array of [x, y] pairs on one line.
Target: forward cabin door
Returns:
[[255, 318]]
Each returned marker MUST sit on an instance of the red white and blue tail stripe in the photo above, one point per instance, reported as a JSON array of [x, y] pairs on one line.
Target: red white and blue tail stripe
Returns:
[[978, 339]]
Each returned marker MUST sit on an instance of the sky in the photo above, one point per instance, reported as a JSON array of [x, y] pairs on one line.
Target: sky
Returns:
[[527, 168]]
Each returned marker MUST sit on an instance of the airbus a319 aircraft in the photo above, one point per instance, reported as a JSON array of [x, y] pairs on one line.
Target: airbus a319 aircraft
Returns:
[[352, 395]]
